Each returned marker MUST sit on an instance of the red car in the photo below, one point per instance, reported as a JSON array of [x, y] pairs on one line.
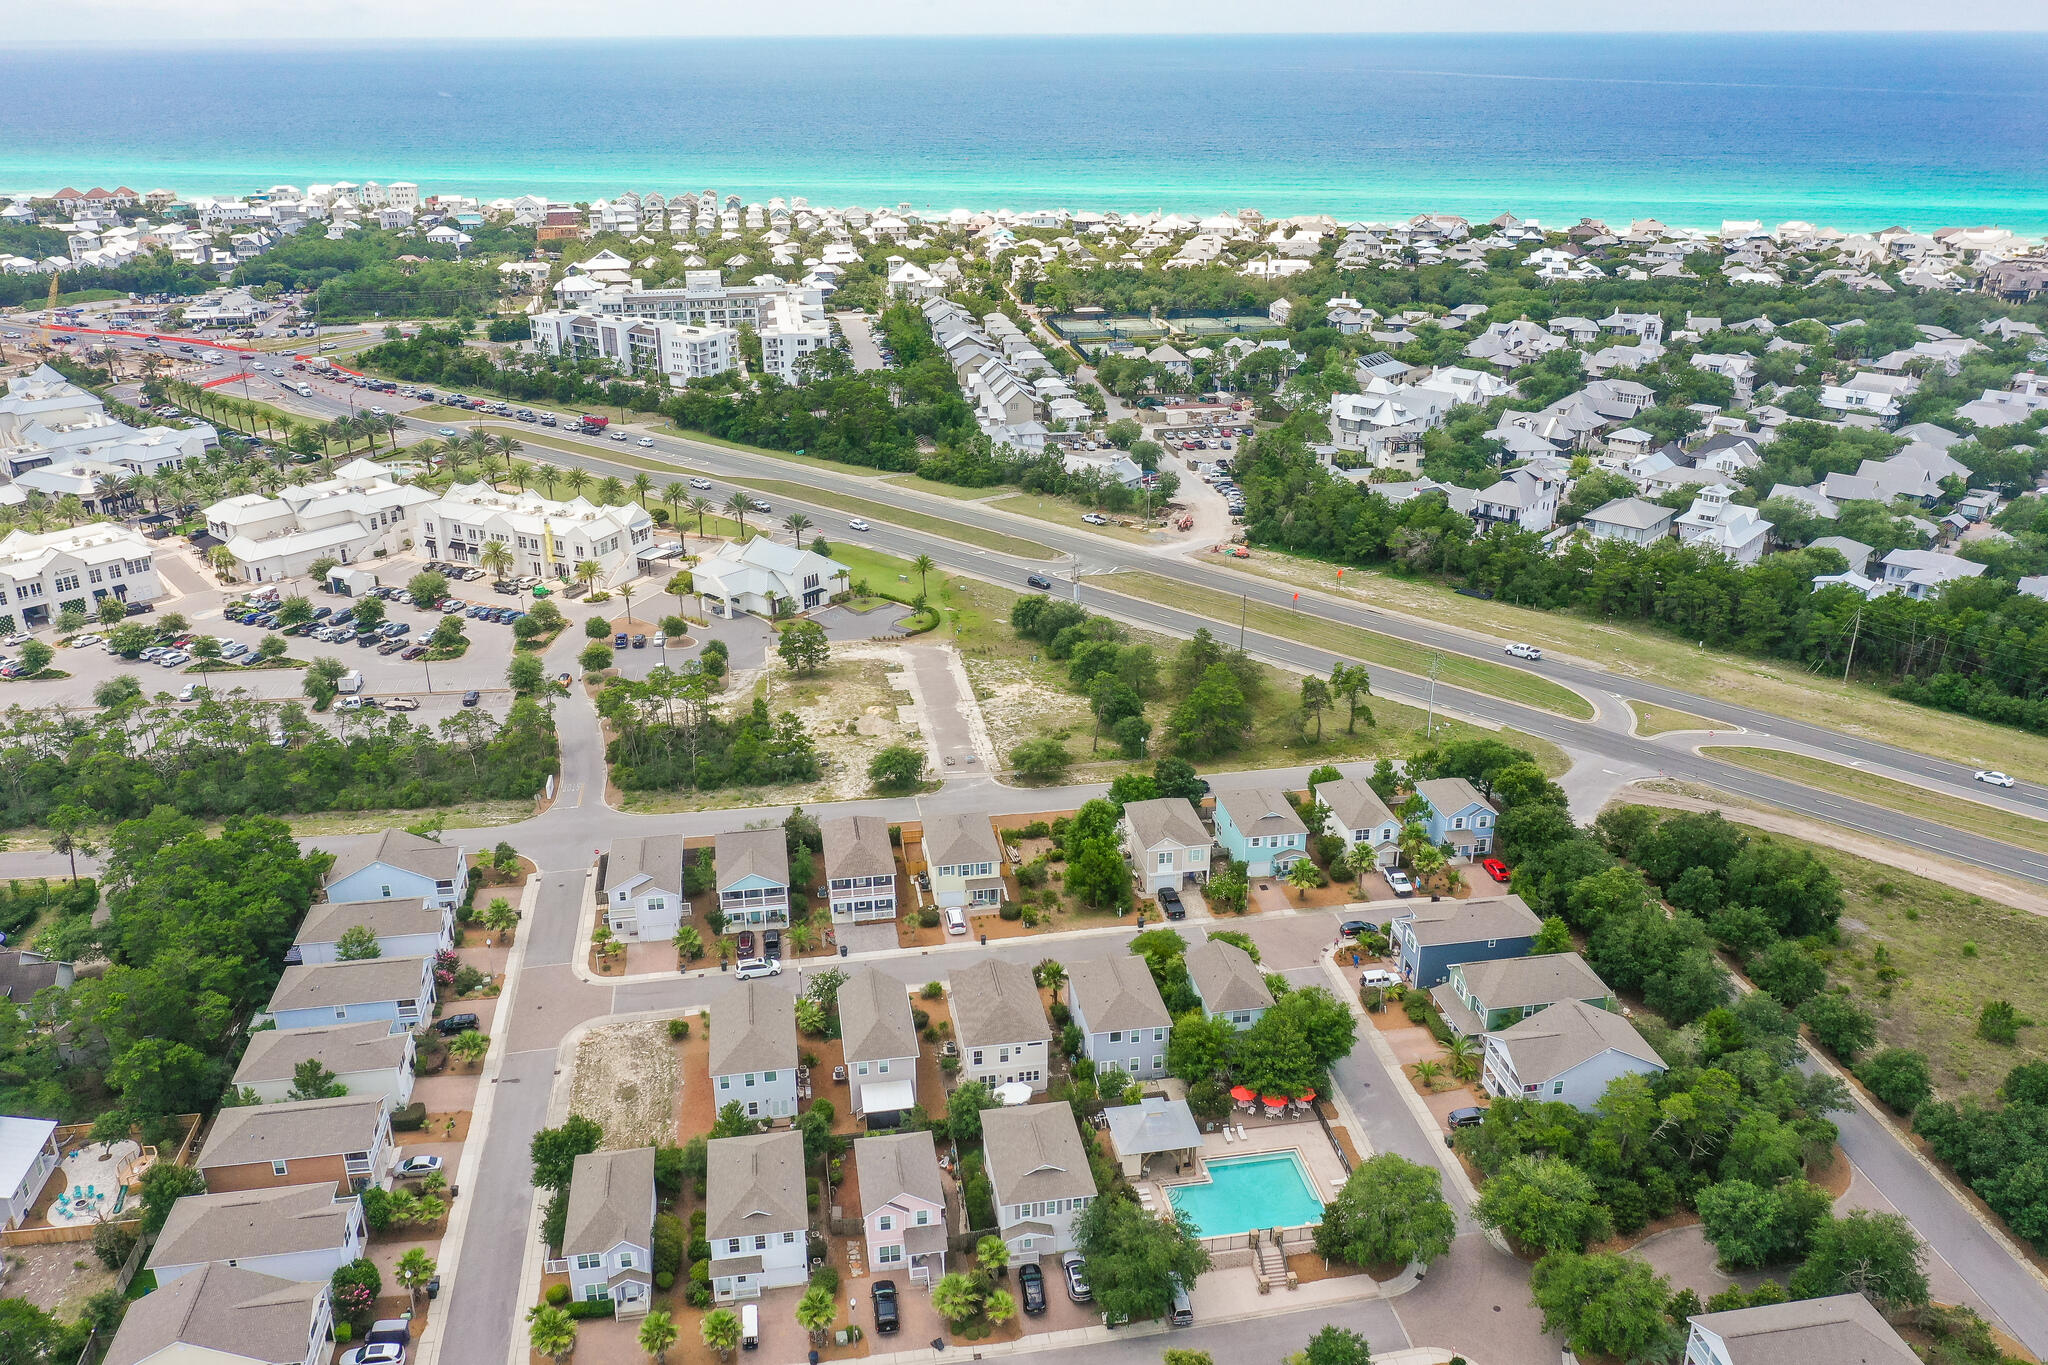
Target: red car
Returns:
[[1495, 869]]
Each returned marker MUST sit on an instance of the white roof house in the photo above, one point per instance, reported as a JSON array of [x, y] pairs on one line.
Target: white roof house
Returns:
[[748, 578], [1719, 523]]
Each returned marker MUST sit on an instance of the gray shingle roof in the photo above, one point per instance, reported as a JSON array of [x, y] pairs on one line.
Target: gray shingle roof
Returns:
[[1226, 977], [895, 1165], [1471, 921], [953, 840], [857, 846], [1116, 993], [997, 1002], [1553, 1041], [1262, 811], [611, 1200], [1152, 1125], [755, 1185], [1166, 820], [327, 921], [657, 857], [1841, 1330], [1512, 982], [366, 981], [293, 1131], [874, 1017], [274, 1054], [245, 1224], [1631, 512], [742, 853], [1355, 804], [1449, 794], [222, 1308], [753, 1028], [1035, 1153], [396, 848]]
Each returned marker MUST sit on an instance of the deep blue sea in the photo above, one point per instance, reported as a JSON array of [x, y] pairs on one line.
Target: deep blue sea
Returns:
[[1859, 132]]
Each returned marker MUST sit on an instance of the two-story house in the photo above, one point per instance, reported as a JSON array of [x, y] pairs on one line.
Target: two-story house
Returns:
[[860, 869], [397, 990], [1436, 935], [1165, 842], [752, 867], [902, 1205], [1123, 1021], [965, 862], [1360, 818], [1569, 1052], [1480, 997], [753, 1050], [295, 1232], [1039, 1170], [643, 888], [1257, 827], [1457, 815], [999, 1021], [366, 1059], [880, 1039], [404, 926], [224, 1314], [757, 1214], [1228, 983], [608, 1233], [344, 1143], [398, 865], [28, 1153], [1842, 1329]]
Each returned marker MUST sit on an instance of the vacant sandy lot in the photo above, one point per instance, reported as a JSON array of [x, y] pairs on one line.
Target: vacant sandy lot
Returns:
[[626, 1078]]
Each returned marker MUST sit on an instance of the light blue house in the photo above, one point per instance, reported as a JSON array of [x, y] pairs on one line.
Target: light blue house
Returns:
[[398, 991], [752, 867], [1458, 816], [1228, 983], [399, 866], [1259, 829]]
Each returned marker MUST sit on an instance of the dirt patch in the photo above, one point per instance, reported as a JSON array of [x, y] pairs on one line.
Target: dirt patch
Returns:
[[1020, 701], [57, 1277], [853, 708], [626, 1079]]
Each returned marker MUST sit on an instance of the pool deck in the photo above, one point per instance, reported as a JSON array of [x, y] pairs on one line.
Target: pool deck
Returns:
[[1304, 1138]]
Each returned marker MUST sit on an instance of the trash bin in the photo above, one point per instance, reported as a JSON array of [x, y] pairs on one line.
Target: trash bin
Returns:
[[842, 950]]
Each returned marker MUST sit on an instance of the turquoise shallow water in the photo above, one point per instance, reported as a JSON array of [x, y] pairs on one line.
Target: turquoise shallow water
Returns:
[[1247, 1192], [1860, 132]]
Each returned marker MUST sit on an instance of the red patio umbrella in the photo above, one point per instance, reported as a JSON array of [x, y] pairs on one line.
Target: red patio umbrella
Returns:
[[1272, 1101], [1243, 1094], [1307, 1095]]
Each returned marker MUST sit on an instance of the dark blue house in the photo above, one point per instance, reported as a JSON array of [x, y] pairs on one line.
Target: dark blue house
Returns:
[[1435, 935]]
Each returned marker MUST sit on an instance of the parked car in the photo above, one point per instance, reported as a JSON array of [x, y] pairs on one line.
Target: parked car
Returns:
[[639, 642], [744, 945], [1495, 868], [472, 697], [1077, 1278], [453, 1024], [1522, 651], [1354, 928], [1994, 777], [417, 1166], [1471, 1116], [1169, 901], [1397, 881], [1095, 519], [1377, 978], [956, 920], [619, 640], [376, 1353], [771, 944], [750, 967], [1031, 1289], [887, 1318]]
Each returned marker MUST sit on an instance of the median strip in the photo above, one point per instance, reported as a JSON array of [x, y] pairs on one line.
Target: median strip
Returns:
[[1976, 817], [1353, 642], [904, 517]]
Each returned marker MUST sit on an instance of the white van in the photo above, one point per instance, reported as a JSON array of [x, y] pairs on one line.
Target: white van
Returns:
[[750, 967], [956, 920], [750, 1327]]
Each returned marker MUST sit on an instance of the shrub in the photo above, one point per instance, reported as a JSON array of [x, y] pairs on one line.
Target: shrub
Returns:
[[557, 1295], [597, 628], [826, 1277], [2000, 1022], [668, 1243], [679, 1029], [1011, 911], [928, 917], [664, 1279], [933, 990], [112, 1242], [1900, 1077], [409, 1119], [1840, 1025], [591, 1308]]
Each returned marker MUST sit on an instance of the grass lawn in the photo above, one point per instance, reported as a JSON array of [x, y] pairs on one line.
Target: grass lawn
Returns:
[[918, 483], [1652, 719], [1060, 512], [1639, 652], [1963, 813], [916, 521], [1495, 680], [789, 456]]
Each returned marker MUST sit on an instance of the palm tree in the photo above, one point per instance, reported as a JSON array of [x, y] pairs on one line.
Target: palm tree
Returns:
[[956, 1298], [796, 523], [578, 479], [702, 507], [413, 1271], [427, 449], [657, 1334], [737, 505], [611, 491], [643, 484], [1464, 1051], [1427, 1072], [587, 572], [520, 472], [552, 1332], [1303, 876], [999, 1307], [505, 446], [815, 1313], [494, 558], [923, 564], [675, 495], [721, 1331]]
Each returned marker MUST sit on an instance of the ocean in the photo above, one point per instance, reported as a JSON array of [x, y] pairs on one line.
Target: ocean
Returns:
[[1859, 131]]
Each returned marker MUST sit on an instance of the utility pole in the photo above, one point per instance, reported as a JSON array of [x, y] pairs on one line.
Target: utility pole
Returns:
[[1854, 630], [1436, 663]]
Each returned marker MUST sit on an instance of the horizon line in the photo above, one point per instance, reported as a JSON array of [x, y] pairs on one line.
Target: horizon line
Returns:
[[927, 36]]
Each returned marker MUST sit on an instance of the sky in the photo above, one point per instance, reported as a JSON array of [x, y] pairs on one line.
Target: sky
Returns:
[[242, 21]]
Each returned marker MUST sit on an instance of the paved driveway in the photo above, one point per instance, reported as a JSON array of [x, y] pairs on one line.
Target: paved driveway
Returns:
[[879, 623]]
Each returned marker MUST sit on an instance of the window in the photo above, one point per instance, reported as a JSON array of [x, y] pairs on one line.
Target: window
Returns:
[[860, 1068], [1166, 859], [341, 1011], [1117, 1036], [885, 1223], [625, 1260], [1557, 1088], [1157, 1061], [590, 1260], [789, 1239], [975, 1057], [761, 1242], [278, 1167], [725, 1082], [881, 1068], [768, 1078], [889, 1255], [732, 1246], [924, 1216]]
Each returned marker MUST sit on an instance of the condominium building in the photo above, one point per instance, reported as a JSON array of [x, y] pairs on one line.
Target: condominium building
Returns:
[[678, 349], [42, 574], [788, 333], [546, 538], [705, 300]]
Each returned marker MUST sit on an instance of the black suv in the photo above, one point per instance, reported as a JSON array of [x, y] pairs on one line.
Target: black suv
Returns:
[[887, 1319], [1039, 581], [1169, 901], [457, 1023], [1031, 1281]]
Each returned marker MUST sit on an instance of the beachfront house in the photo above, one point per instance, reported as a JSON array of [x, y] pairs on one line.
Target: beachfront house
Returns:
[[965, 862], [1228, 983], [1435, 935], [1570, 1052], [1040, 1173], [608, 1235], [642, 887], [295, 1232], [1457, 816], [1360, 818], [902, 1205], [753, 1049], [1123, 1020], [999, 1020], [1257, 827], [399, 991], [757, 1214], [880, 1041], [752, 867], [1165, 842], [399, 865], [860, 869]]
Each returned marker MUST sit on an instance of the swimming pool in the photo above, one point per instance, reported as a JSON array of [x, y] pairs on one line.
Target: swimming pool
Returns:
[[1246, 1192]]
